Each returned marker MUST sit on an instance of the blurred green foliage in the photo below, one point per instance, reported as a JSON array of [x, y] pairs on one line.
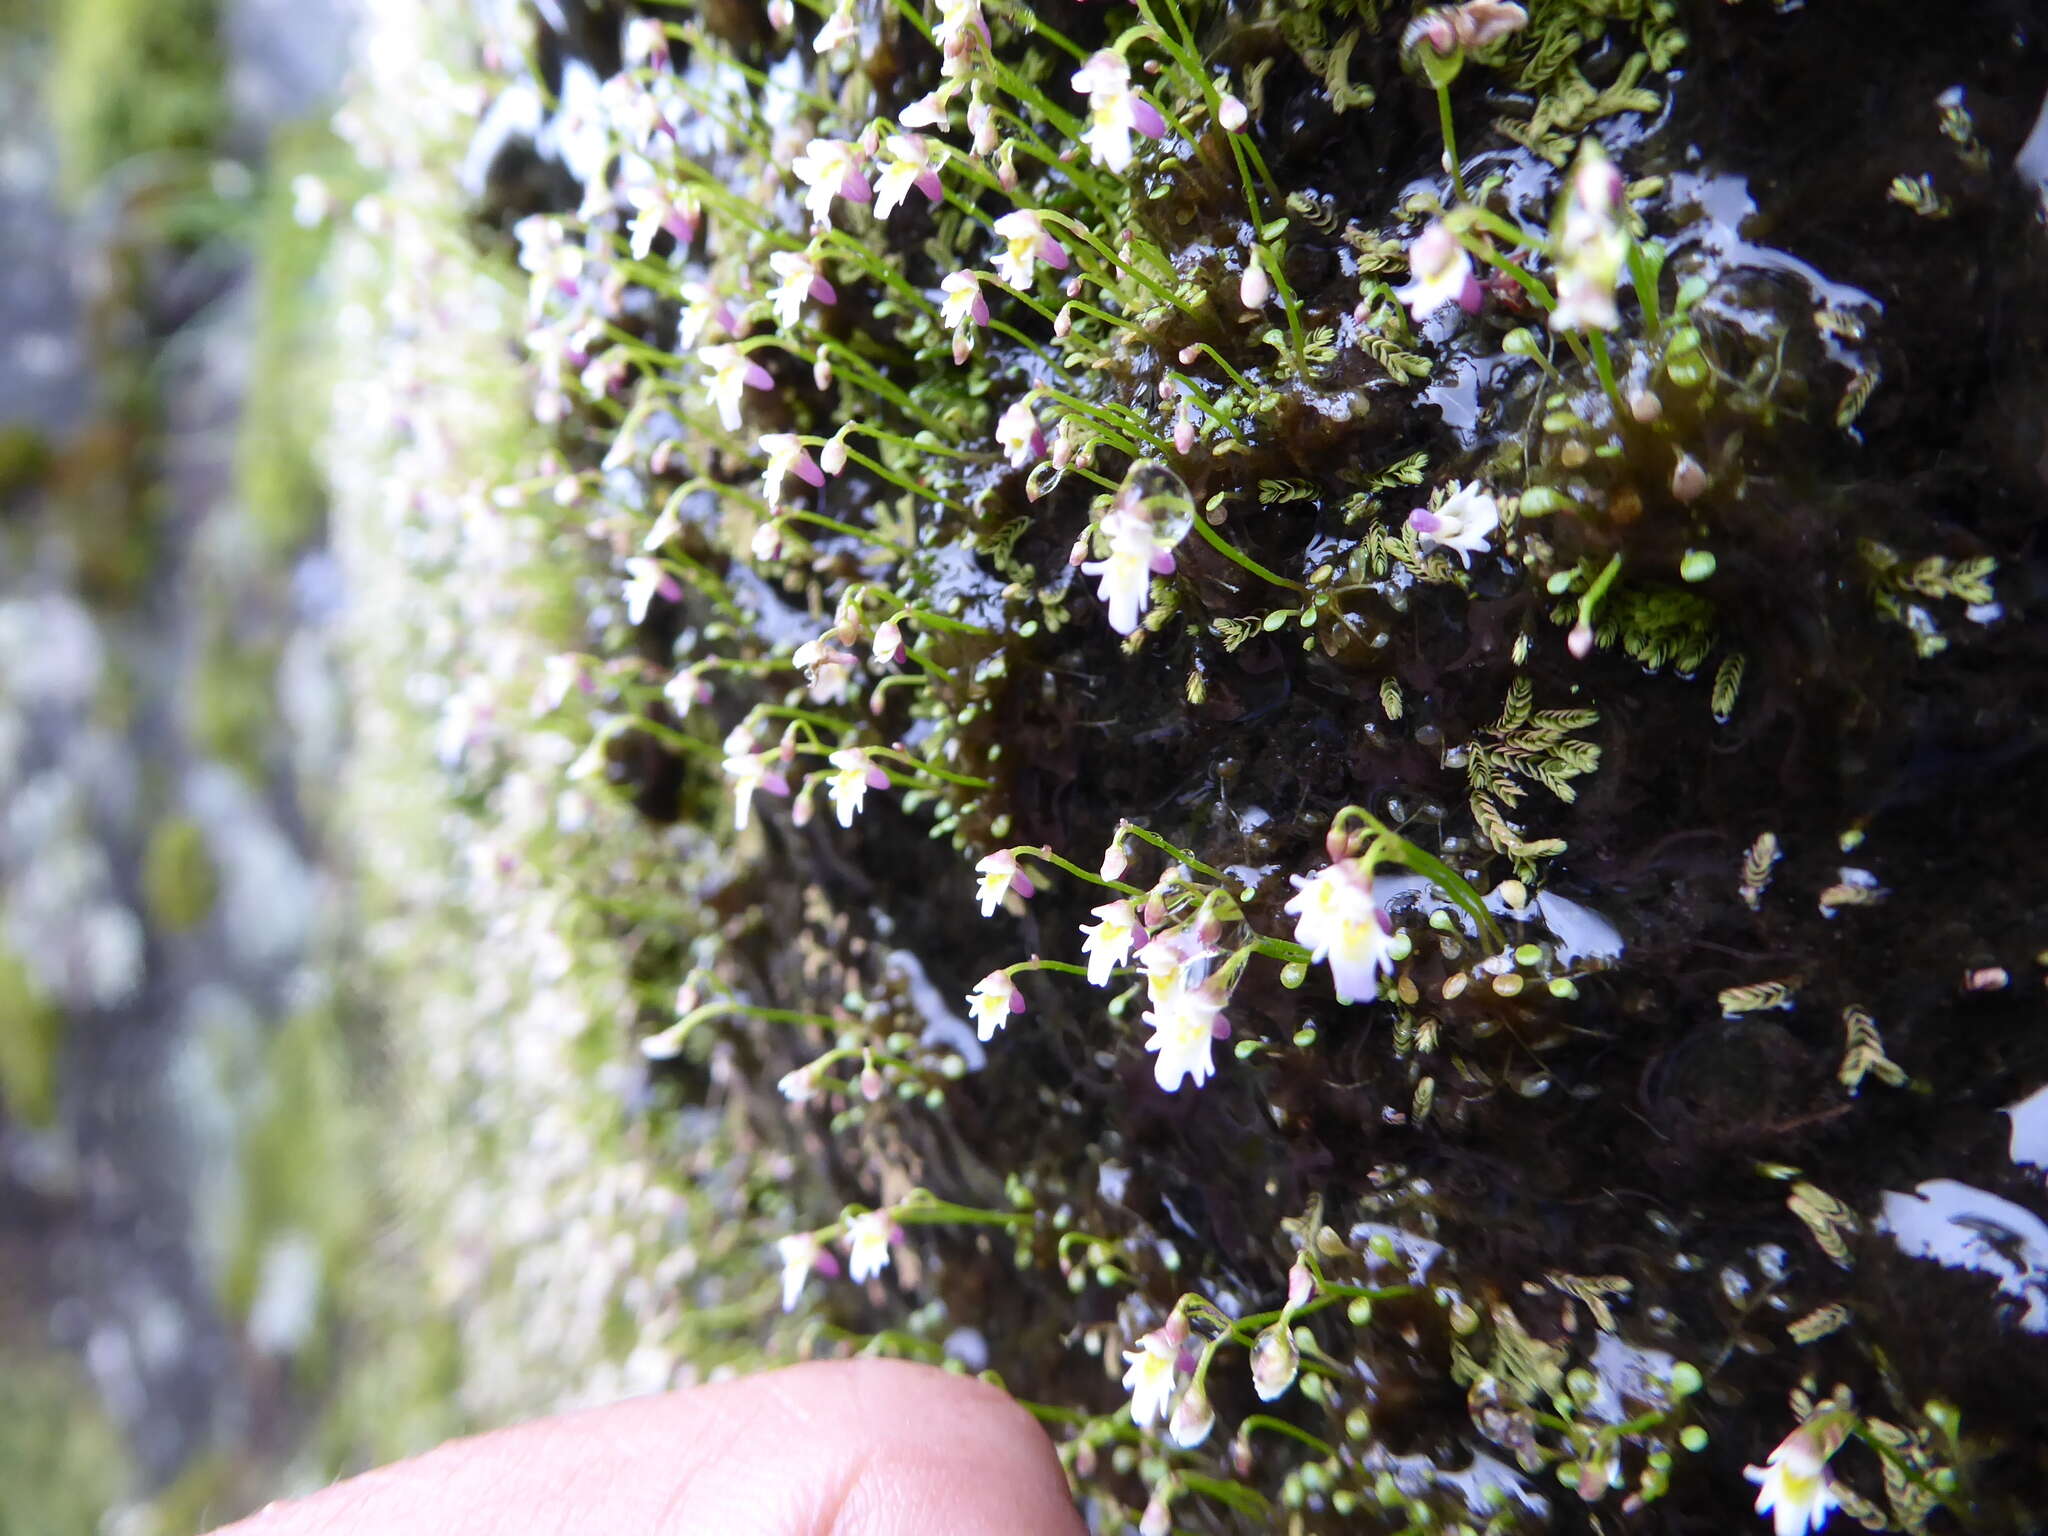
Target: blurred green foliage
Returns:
[[133, 77]]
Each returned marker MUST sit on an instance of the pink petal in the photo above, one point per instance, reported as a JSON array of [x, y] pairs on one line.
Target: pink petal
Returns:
[[876, 778], [1145, 118], [979, 310], [1471, 296], [854, 187], [775, 783], [1021, 883], [1162, 562], [807, 470], [1424, 522], [930, 185], [1052, 253], [823, 291], [758, 377]]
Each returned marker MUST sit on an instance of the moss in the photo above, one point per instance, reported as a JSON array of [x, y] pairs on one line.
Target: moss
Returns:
[[302, 1158], [31, 1044], [131, 78], [62, 1463], [179, 881], [234, 701], [275, 479]]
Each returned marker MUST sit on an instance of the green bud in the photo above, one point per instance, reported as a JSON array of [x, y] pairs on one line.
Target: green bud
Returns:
[[1293, 974], [1685, 1379], [1696, 565], [1694, 1438]]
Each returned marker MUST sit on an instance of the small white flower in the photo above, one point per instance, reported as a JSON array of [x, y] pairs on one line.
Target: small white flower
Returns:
[[1438, 270], [1136, 555], [1231, 114], [1184, 1021], [1462, 523], [1795, 1490], [994, 998], [1115, 111], [732, 373], [1025, 244], [750, 770], [830, 168], [854, 774], [1337, 919], [868, 1236], [1153, 1374], [909, 165], [963, 301], [799, 1253], [1591, 245], [646, 580], [1017, 430], [703, 308], [1108, 942], [837, 28], [959, 32], [801, 279], [999, 876], [827, 668], [787, 455]]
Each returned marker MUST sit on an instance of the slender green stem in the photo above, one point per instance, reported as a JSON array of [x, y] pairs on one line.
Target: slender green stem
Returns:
[[1230, 551], [963, 780], [1264, 1421], [1179, 855], [1078, 872], [1443, 116]]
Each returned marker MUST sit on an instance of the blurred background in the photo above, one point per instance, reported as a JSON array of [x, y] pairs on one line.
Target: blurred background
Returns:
[[175, 1188]]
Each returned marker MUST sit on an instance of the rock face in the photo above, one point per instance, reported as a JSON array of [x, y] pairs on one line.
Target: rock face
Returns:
[[1020, 482]]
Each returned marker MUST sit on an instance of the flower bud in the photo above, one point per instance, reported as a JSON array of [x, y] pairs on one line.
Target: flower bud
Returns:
[[1275, 1361], [1688, 478], [1254, 288], [832, 457], [1580, 641], [870, 1083], [1063, 322], [821, 373], [1231, 114], [1158, 1517], [1192, 1419]]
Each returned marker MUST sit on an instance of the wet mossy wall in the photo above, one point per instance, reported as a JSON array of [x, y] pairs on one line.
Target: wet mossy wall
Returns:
[[1734, 718]]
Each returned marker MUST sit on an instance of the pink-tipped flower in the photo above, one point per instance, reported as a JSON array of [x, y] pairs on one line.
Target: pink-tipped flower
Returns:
[[801, 1253], [732, 374], [658, 208], [960, 33], [1115, 111], [889, 649], [703, 308], [1337, 920], [1108, 941], [854, 773], [750, 769], [994, 998], [1591, 244], [646, 580], [1153, 1373], [868, 1237], [1017, 430], [837, 28], [909, 164], [1000, 876], [827, 668], [830, 168], [645, 43], [1794, 1487], [1462, 523], [800, 279], [1136, 552], [1025, 244], [963, 303], [929, 111], [1438, 270], [1186, 1019], [787, 455]]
